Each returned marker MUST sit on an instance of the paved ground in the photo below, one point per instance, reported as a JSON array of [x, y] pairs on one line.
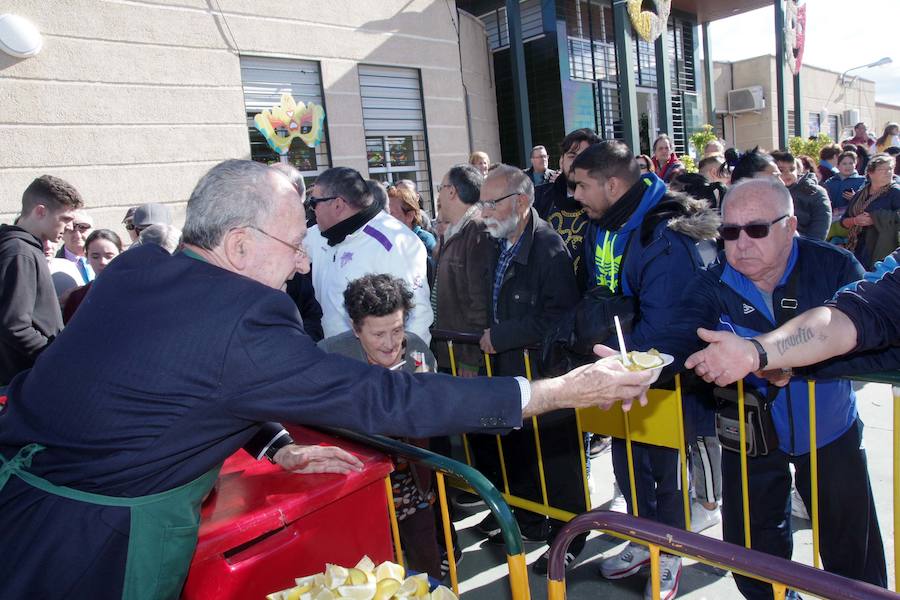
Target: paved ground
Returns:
[[484, 574]]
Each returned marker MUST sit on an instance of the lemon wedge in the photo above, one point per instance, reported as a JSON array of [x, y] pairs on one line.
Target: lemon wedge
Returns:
[[646, 360], [335, 575], [389, 570], [365, 564], [357, 592], [443, 593], [386, 588]]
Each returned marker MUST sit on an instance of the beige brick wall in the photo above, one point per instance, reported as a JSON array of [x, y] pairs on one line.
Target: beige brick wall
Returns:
[[133, 102]]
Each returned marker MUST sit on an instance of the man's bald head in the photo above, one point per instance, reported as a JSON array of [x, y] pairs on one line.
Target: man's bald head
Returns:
[[769, 191]]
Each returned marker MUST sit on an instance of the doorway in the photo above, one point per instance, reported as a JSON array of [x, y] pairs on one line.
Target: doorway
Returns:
[[648, 128]]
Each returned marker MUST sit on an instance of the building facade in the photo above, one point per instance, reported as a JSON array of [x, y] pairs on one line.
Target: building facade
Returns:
[[133, 102], [829, 104]]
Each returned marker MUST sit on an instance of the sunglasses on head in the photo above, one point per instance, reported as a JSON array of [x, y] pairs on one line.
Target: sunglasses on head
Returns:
[[756, 231]]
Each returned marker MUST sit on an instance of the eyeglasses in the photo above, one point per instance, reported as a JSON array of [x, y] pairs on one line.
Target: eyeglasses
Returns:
[[312, 201], [756, 231], [492, 204], [298, 249], [441, 186], [129, 226], [82, 227]]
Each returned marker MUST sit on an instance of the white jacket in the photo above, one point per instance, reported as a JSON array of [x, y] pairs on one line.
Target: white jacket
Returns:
[[383, 245]]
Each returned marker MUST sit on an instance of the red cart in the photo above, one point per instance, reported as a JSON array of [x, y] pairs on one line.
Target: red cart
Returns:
[[261, 527]]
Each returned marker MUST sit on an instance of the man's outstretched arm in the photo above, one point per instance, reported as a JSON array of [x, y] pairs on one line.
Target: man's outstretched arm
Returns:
[[816, 335]]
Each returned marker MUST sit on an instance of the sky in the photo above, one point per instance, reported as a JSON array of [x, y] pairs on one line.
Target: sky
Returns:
[[840, 35]]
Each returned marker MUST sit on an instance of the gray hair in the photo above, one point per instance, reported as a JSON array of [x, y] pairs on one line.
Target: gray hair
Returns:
[[768, 187], [516, 180], [234, 193], [378, 193], [536, 148], [167, 236], [467, 181], [882, 158]]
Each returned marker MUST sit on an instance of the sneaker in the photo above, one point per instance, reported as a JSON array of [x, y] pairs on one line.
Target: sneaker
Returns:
[[445, 562], [626, 563], [618, 503], [541, 564], [798, 508], [703, 518], [467, 500], [669, 576], [599, 445], [488, 525]]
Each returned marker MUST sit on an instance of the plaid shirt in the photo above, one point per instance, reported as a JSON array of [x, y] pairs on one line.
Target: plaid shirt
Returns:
[[507, 253]]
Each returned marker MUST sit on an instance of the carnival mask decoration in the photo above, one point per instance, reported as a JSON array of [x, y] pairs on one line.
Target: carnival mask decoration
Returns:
[[648, 25], [288, 120]]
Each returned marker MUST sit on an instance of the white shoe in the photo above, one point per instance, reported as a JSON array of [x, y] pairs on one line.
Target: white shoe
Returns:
[[703, 518], [798, 508], [669, 576], [626, 563], [618, 503]]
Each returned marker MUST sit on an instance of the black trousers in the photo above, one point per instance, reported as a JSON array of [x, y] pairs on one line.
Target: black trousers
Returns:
[[561, 450], [657, 480], [850, 540]]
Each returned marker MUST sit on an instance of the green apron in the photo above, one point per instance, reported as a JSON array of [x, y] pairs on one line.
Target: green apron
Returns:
[[163, 526]]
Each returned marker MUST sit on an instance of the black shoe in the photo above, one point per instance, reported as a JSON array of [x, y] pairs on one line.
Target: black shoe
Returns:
[[445, 563], [467, 500], [538, 532], [488, 526], [599, 445], [540, 565]]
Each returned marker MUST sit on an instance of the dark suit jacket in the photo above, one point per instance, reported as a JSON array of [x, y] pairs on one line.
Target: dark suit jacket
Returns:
[[168, 367]]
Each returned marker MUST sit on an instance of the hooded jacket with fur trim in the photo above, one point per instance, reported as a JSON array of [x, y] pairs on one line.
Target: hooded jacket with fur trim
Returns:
[[660, 255]]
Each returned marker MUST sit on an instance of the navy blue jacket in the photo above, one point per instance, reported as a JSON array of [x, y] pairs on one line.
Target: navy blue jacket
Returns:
[[722, 298], [169, 366]]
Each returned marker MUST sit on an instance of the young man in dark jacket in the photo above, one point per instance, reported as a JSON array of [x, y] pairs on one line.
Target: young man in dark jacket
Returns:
[[29, 311], [642, 242], [767, 276], [811, 204]]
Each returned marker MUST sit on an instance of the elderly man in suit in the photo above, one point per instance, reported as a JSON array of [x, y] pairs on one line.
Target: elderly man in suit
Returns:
[[111, 441]]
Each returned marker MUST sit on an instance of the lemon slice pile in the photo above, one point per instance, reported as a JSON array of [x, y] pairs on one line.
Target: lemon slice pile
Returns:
[[365, 581]]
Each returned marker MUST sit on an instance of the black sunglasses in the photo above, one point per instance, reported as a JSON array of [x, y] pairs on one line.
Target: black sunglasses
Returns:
[[757, 231], [312, 201]]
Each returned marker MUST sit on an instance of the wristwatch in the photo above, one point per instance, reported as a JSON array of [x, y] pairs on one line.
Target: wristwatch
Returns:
[[763, 357]]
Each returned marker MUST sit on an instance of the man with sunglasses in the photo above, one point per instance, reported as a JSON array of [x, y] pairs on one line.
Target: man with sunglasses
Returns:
[[766, 276], [354, 237]]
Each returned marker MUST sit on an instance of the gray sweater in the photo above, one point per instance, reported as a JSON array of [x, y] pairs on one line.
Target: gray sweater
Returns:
[[812, 207], [347, 344]]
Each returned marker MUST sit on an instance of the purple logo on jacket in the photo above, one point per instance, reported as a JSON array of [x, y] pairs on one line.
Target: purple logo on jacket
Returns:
[[346, 257]]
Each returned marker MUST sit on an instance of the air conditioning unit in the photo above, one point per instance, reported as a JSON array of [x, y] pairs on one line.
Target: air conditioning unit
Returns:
[[850, 117], [747, 99]]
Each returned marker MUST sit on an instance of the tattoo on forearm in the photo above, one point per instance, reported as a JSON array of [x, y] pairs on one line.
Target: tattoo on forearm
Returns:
[[802, 336]]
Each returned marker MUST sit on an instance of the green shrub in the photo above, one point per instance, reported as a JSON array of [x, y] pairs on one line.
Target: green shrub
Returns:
[[811, 148]]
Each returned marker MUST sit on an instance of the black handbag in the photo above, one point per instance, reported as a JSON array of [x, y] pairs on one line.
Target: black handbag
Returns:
[[570, 342], [761, 437]]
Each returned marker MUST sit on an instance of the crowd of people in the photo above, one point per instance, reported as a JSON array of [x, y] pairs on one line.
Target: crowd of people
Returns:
[[341, 316]]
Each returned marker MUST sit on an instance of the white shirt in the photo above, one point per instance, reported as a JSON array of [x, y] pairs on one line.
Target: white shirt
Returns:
[[383, 245]]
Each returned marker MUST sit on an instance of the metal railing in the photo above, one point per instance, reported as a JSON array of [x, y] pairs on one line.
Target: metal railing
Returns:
[[653, 425], [782, 574], [442, 465]]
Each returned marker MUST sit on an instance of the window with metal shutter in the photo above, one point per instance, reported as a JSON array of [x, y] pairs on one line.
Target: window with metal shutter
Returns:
[[497, 27], [394, 123], [264, 81]]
